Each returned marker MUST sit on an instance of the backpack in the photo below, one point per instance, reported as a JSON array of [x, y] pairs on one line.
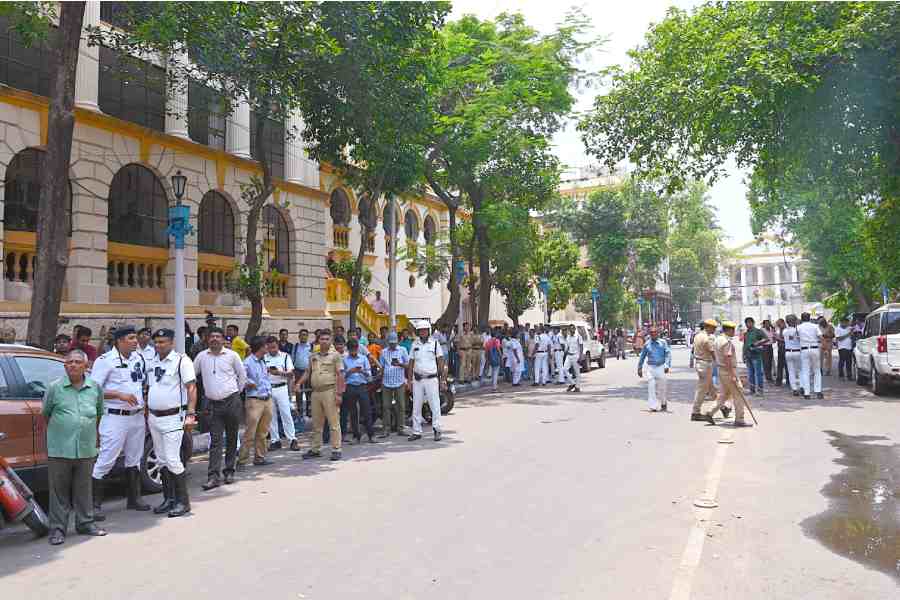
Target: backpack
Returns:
[[494, 356]]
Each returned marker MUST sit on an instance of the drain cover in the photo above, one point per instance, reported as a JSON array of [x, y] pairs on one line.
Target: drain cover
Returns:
[[705, 503]]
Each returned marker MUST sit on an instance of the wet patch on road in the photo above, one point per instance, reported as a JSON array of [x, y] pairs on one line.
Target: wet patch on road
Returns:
[[862, 521]]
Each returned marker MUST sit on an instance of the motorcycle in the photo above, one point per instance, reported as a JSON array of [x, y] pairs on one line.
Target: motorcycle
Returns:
[[17, 502], [447, 396]]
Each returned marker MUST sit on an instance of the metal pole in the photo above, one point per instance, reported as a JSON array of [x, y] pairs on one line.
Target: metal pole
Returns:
[[392, 275], [179, 297], [594, 299]]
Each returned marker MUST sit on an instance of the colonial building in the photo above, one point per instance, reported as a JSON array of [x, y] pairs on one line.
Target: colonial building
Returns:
[[130, 137]]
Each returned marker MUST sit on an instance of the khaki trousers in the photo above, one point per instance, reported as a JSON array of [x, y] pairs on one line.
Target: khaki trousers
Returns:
[[324, 407], [474, 365], [705, 387], [728, 390], [258, 417], [464, 364]]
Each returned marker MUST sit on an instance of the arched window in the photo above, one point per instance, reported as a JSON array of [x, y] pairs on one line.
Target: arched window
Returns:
[[276, 241], [216, 225], [340, 207], [23, 192], [368, 212], [411, 226], [430, 231], [387, 218], [138, 208]]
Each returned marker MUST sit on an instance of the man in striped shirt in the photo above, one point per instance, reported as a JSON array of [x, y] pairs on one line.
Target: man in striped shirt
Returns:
[[393, 360]]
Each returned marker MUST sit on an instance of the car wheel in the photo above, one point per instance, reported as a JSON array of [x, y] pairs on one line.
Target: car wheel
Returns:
[[878, 386], [858, 374], [151, 477]]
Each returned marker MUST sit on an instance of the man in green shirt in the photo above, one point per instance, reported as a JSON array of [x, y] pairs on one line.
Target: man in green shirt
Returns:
[[754, 341], [73, 406]]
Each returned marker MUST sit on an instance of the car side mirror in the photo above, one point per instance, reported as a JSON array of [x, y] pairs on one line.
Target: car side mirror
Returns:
[[36, 389]]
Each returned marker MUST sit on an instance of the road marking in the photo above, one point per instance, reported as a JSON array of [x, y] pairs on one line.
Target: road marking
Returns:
[[693, 550]]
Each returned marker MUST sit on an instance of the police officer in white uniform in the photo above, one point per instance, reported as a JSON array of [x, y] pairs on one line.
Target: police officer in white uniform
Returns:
[[572, 364], [792, 353], [172, 404], [541, 358], [556, 343], [810, 361], [426, 369], [281, 370], [121, 373], [146, 348]]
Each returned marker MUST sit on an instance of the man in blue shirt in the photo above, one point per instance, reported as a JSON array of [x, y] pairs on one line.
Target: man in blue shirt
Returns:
[[393, 361], [258, 405], [300, 356], [357, 374], [659, 357]]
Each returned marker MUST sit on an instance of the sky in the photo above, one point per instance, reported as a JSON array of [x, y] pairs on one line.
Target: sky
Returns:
[[623, 24]]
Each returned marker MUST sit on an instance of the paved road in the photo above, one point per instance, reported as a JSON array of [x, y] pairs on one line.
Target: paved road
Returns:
[[532, 494]]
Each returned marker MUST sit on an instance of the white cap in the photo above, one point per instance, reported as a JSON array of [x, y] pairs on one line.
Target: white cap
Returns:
[[421, 324]]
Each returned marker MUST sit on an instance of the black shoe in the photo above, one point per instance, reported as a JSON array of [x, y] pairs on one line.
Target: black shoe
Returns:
[[168, 493], [796, 392], [414, 437], [820, 396], [665, 408], [437, 435], [576, 390], [91, 530], [570, 388], [97, 486], [709, 419], [182, 504], [807, 398], [742, 424], [229, 478], [261, 462], [335, 455], [275, 445], [57, 537], [135, 502], [213, 482], [311, 454], [698, 417], [725, 411], [295, 446]]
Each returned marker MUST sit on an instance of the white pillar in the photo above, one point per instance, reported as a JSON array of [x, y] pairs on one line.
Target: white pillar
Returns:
[[777, 280], [87, 72], [177, 97], [298, 167], [238, 131], [760, 281], [745, 286]]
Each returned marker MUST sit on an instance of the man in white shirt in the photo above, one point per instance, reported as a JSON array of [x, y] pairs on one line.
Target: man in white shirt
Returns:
[[146, 348], [843, 335], [379, 305], [281, 370], [541, 358], [425, 373], [516, 358], [573, 345], [223, 376], [556, 343], [810, 363], [792, 353]]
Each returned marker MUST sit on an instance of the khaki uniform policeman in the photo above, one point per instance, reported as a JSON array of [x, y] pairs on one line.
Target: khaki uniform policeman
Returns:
[[476, 350], [704, 360], [572, 345], [172, 404], [121, 373], [426, 367], [462, 346], [729, 383], [324, 375]]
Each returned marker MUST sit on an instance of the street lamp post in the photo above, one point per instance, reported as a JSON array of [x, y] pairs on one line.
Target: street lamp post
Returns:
[[179, 228], [544, 286]]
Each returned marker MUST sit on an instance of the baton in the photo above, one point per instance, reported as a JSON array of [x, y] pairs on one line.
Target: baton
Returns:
[[747, 404]]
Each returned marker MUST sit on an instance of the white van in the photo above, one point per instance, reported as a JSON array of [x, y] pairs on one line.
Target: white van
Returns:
[[876, 358], [594, 350]]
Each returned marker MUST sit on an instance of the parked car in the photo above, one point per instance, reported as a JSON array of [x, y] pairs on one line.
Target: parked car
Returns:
[[680, 335], [594, 350], [25, 373], [876, 358]]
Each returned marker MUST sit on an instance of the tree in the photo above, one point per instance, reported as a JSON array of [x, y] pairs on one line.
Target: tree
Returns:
[[503, 93], [810, 102], [557, 259], [32, 22], [517, 288]]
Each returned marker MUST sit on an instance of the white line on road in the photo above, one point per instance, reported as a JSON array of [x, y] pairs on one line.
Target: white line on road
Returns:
[[693, 550]]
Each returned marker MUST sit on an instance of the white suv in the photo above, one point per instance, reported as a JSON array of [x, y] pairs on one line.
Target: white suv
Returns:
[[594, 350], [876, 357]]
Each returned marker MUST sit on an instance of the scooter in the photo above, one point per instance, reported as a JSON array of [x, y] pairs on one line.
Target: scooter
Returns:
[[17, 502]]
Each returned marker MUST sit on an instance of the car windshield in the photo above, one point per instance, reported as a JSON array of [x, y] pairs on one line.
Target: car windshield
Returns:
[[891, 323]]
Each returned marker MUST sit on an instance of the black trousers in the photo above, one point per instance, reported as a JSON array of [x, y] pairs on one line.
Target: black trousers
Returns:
[[225, 419], [768, 356], [782, 374], [356, 401], [845, 361], [70, 487]]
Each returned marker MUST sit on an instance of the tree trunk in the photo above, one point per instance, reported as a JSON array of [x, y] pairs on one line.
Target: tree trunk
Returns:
[[451, 313], [52, 243], [356, 280], [473, 294], [863, 303], [484, 276], [257, 199]]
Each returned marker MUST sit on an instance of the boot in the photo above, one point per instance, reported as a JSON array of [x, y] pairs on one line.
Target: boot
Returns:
[[182, 505], [168, 492], [97, 485], [135, 502]]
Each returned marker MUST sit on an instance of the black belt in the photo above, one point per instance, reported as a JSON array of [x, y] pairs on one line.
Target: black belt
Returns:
[[798, 350], [809, 348], [421, 377], [540, 352], [278, 385], [122, 412], [168, 412]]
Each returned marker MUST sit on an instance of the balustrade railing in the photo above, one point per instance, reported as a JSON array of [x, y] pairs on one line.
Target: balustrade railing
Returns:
[[341, 237], [136, 274]]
